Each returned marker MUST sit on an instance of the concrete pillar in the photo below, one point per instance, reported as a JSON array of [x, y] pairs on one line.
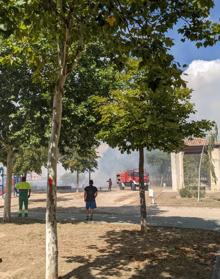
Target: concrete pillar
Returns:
[[216, 163], [177, 171]]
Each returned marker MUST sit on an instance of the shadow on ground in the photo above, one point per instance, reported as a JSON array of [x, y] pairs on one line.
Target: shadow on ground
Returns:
[[161, 253], [122, 214]]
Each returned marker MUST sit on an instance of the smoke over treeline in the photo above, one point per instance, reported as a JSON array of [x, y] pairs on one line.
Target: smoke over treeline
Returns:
[[112, 161]]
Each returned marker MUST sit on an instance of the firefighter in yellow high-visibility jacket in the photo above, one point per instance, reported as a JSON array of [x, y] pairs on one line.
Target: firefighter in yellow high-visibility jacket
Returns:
[[24, 190]]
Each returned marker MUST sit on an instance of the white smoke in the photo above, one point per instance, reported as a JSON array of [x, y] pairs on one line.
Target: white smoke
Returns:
[[203, 77], [111, 162]]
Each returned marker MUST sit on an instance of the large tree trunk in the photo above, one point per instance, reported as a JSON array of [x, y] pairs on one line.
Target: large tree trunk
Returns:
[[7, 204], [143, 208]]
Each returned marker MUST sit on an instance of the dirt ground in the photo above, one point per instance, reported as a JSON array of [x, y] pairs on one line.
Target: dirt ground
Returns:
[[119, 198], [105, 250]]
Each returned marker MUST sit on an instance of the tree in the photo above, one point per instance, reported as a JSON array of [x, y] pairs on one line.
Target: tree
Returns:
[[93, 75], [30, 158], [20, 120], [79, 161], [56, 33], [191, 168], [143, 114], [161, 162]]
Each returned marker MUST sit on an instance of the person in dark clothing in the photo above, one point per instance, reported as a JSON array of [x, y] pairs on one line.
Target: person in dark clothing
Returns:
[[90, 195], [109, 184]]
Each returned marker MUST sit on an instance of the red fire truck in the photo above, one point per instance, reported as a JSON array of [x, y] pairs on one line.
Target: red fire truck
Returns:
[[130, 178]]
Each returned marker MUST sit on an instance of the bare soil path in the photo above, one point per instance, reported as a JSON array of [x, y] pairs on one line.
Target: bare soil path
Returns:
[[111, 246], [123, 207]]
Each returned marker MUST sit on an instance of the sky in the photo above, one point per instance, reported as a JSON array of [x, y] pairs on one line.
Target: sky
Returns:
[[185, 53]]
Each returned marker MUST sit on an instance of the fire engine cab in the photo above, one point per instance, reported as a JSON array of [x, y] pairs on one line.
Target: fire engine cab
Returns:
[[130, 178]]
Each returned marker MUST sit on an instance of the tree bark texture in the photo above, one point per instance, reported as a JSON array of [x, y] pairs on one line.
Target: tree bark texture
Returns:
[[51, 223], [63, 45], [7, 203], [143, 209]]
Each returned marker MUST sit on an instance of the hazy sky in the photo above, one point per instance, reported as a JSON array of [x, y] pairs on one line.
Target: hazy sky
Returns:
[[204, 78]]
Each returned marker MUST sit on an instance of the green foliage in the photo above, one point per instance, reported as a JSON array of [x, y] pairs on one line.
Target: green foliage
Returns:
[[53, 35], [142, 112], [43, 31], [159, 159], [23, 118], [23, 110], [191, 167], [206, 33], [93, 75], [80, 162], [160, 164], [30, 158], [185, 193], [191, 192], [138, 27]]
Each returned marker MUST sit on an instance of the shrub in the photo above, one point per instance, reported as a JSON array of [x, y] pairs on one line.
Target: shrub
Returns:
[[192, 191], [185, 193]]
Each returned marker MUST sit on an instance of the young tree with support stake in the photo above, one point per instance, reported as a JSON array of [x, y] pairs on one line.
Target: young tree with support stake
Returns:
[[56, 33], [143, 113]]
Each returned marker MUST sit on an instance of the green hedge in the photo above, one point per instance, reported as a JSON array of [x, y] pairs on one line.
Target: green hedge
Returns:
[[192, 191]]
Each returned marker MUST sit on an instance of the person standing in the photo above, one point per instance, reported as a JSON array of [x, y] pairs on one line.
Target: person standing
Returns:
[[24, 190], [109, 184], [90, 195]]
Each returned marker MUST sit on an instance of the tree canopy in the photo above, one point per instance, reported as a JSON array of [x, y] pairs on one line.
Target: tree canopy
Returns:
[[53, 35], [23, 117], [23, 109], [30, 158], [93, 75], [144, 114]]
